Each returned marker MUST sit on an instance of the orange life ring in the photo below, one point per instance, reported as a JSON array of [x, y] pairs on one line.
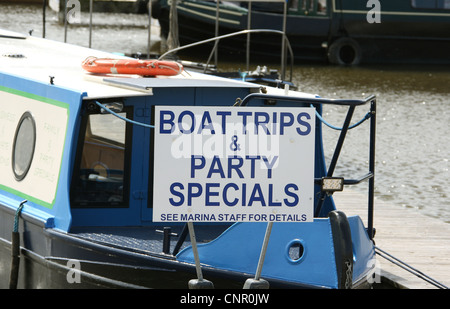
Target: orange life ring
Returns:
[[131, 66]]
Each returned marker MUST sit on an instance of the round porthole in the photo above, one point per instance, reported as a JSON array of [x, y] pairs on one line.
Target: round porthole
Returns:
[[23, 147], [295, 251]]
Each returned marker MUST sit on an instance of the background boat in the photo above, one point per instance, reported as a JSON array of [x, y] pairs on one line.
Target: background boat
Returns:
[[350, 32]]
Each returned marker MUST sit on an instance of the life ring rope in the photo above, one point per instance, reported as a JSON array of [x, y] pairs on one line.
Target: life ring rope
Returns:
[[131, 66]]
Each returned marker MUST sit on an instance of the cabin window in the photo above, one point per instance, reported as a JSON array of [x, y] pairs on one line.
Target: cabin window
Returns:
[[101, 176], [293, 5], [322, 7], [23, 147], [309, 7], [431, 4]]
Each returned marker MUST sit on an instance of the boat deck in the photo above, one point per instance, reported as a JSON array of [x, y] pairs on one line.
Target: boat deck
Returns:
[[146, 240], [420, 241]]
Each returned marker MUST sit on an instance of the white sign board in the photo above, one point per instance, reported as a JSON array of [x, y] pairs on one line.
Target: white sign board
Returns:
[[233, 164]]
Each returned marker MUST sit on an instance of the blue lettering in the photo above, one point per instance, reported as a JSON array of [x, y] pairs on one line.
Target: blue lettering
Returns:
[[180, 122], [191, 193], [285, 123], [179, 194], [257, 196], [252, 164], [274, 124], [225, 196], [269, 165], [244, 120], [236, 166], [262, 123], [164, 121], [271, 202], [291, 194], [244, 194], [219, 169], [197, 167], [206, 117], [169, 217], [303, 123], [223, 114], [209, 193]]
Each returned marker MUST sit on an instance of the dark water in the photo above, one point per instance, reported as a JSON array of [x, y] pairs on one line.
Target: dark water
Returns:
[[413, 141]]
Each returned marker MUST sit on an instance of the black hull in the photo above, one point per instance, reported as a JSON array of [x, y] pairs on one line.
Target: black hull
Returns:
[[321, 40], [47, 261], [263, 46], [109, 268]]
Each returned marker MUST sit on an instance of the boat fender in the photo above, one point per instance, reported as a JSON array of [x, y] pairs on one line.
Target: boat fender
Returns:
[[343, 248], [344, 51]]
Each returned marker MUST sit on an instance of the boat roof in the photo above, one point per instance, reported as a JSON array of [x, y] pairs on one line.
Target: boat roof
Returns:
[[52, 61]]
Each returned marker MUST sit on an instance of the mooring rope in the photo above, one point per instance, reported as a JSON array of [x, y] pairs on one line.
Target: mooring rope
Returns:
[[15, 249], [16, 217]]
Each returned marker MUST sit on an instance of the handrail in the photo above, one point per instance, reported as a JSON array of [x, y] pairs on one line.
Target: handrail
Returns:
[[353, 103], [217, 38]]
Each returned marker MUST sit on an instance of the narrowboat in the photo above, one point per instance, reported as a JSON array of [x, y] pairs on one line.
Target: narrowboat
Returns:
[[126, 181], [338, 32]]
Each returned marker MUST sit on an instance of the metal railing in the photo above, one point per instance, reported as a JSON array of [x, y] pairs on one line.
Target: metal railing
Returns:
[[218, 38], [352, 104]]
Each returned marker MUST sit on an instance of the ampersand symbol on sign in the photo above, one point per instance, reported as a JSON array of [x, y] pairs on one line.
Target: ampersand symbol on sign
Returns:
[[234, 146]]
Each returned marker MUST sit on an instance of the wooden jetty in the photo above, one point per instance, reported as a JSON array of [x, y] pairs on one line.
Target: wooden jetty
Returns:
[[420, 241]]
